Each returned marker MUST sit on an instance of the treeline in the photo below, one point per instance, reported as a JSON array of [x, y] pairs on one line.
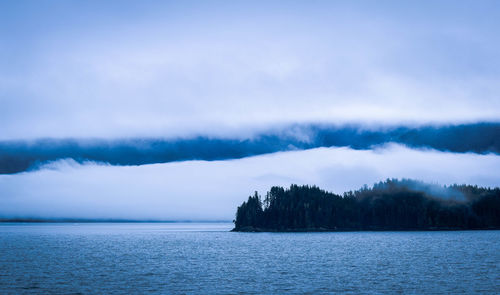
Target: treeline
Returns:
[[390, 205]]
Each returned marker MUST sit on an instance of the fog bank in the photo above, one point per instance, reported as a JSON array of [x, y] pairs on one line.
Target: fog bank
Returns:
[[201, 190]]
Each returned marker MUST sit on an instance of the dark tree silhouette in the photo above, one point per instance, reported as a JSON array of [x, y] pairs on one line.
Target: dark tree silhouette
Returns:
[[390, 205]]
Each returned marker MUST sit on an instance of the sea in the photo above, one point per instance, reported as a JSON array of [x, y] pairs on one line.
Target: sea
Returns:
[[206, 258]]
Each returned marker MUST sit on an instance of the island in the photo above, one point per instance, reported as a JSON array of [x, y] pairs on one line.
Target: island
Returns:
[[390, 205]]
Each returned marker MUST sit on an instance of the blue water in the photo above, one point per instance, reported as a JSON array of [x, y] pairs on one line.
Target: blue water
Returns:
[[138, 258]]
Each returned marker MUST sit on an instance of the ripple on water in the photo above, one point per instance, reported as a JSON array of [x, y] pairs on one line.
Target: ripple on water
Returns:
[[206, 258]]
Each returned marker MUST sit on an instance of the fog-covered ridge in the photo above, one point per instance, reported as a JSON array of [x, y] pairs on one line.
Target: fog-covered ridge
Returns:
[[23, 155]]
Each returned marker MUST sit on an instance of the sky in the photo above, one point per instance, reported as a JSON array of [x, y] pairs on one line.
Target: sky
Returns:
[[231, 69]]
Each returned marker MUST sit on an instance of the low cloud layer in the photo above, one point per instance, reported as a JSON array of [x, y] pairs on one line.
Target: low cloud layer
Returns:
[[200, 190], [18, 156]]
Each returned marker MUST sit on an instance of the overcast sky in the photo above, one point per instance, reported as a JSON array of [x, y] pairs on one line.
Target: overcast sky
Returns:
[[135, 68], [121, 69]]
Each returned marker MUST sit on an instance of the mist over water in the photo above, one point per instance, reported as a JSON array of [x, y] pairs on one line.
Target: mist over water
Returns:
[[212, 190], [163, 110]]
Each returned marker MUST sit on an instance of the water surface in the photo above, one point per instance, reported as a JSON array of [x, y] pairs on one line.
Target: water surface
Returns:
[[193, 258]]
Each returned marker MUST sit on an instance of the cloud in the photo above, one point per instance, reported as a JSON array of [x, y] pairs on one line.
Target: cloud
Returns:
[[171, 69], [132, 83], [18, 156], [200, 190]]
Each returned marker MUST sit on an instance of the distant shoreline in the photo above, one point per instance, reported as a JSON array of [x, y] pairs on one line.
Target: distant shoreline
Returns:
[[71, 220], [324, 230]]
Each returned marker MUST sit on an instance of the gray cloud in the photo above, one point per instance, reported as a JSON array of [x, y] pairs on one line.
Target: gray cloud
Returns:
[[18, 156], [166, 69], [123, 71]]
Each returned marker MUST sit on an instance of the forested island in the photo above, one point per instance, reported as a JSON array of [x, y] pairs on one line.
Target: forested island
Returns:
[[390, 205]]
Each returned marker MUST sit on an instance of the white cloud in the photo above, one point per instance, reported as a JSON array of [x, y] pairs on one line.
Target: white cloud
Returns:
[[196, 69], [212, 190]]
